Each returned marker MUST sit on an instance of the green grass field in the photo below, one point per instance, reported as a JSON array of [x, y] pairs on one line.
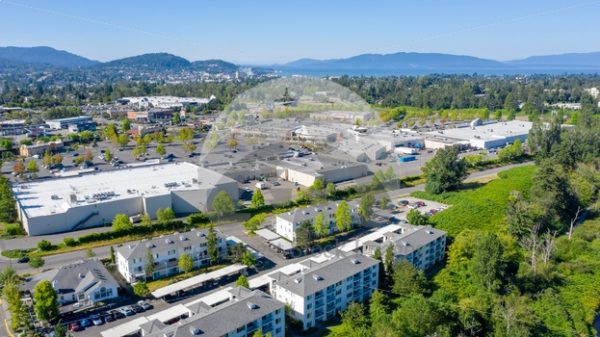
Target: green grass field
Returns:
[[481, 207]]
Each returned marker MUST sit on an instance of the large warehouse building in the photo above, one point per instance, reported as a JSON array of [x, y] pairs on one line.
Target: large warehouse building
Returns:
[[480, 135], [62, 205]]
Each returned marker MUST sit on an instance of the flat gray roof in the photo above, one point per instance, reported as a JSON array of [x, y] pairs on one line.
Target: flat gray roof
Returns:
[[47, 197], [491, 131]]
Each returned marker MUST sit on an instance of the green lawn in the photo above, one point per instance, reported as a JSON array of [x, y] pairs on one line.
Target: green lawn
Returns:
[[481, 207]]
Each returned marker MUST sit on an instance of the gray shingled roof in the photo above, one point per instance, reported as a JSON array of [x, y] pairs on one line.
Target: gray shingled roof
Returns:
[[411, 240], [319, 276], [75, 277], [163, 243], [247, 306], [308, 213], [152, 327]]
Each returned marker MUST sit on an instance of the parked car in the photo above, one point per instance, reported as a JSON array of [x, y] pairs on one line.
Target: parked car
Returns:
[[96, 320], [127, 311], [275, 183], [117, 314], [108, 317], [73, 327], [145, 305], [85, 322], [137, 309], [23, 259], [403, 202]]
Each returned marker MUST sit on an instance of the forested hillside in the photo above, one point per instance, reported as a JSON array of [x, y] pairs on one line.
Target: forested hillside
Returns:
[[519, 261]]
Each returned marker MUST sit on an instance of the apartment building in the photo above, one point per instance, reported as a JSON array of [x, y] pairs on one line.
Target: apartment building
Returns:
[[241, 315], [422, 246], [321, 287], [165, 250], [287, 223]]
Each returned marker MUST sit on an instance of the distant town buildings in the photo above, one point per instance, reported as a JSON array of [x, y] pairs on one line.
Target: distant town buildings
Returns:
[[594, 92], [163, 102], [566, 106], [40, 149], [132, 259], [344, 116], [13, 127], [74, 124], [152, 115]]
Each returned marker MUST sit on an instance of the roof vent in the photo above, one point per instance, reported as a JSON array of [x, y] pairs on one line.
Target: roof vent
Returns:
[[194, 330], [355, 261], [405, 244], [297, 280], [429, 231], [317, 277], [251, 305], [81, 275]]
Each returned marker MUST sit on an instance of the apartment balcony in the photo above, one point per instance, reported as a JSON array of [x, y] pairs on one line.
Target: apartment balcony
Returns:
[[160, 266]]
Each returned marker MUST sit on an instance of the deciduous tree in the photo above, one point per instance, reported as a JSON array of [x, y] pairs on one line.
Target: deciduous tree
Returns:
[[445, 171], [185, 263], [343, 218], [45, 301]]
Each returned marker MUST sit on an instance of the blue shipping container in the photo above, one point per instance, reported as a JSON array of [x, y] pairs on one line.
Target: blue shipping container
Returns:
[[407, 159]]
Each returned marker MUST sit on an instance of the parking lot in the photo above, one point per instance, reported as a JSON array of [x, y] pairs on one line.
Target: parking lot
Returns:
[[403, 205], [274, 190]]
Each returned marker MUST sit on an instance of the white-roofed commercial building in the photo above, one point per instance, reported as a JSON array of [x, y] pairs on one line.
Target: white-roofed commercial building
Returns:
[[66, 204], [305, 170], [480, 135]]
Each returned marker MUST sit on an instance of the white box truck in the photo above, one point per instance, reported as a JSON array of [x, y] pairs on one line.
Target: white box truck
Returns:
[[405, 150]]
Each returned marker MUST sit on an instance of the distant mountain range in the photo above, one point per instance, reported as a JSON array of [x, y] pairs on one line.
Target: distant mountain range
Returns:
[[426, 63], [46, 56], [365, 64]]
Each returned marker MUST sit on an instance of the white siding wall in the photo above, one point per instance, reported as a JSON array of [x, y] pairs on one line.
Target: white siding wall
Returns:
[[327, 302]]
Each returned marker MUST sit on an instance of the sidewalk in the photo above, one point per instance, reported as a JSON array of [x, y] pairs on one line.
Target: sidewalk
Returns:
[[31, 241]]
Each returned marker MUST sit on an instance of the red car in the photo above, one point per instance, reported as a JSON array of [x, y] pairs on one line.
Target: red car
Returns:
[[75, 327]]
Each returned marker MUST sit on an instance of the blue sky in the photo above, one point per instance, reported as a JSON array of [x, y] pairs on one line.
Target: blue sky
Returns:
[[263, 32]]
